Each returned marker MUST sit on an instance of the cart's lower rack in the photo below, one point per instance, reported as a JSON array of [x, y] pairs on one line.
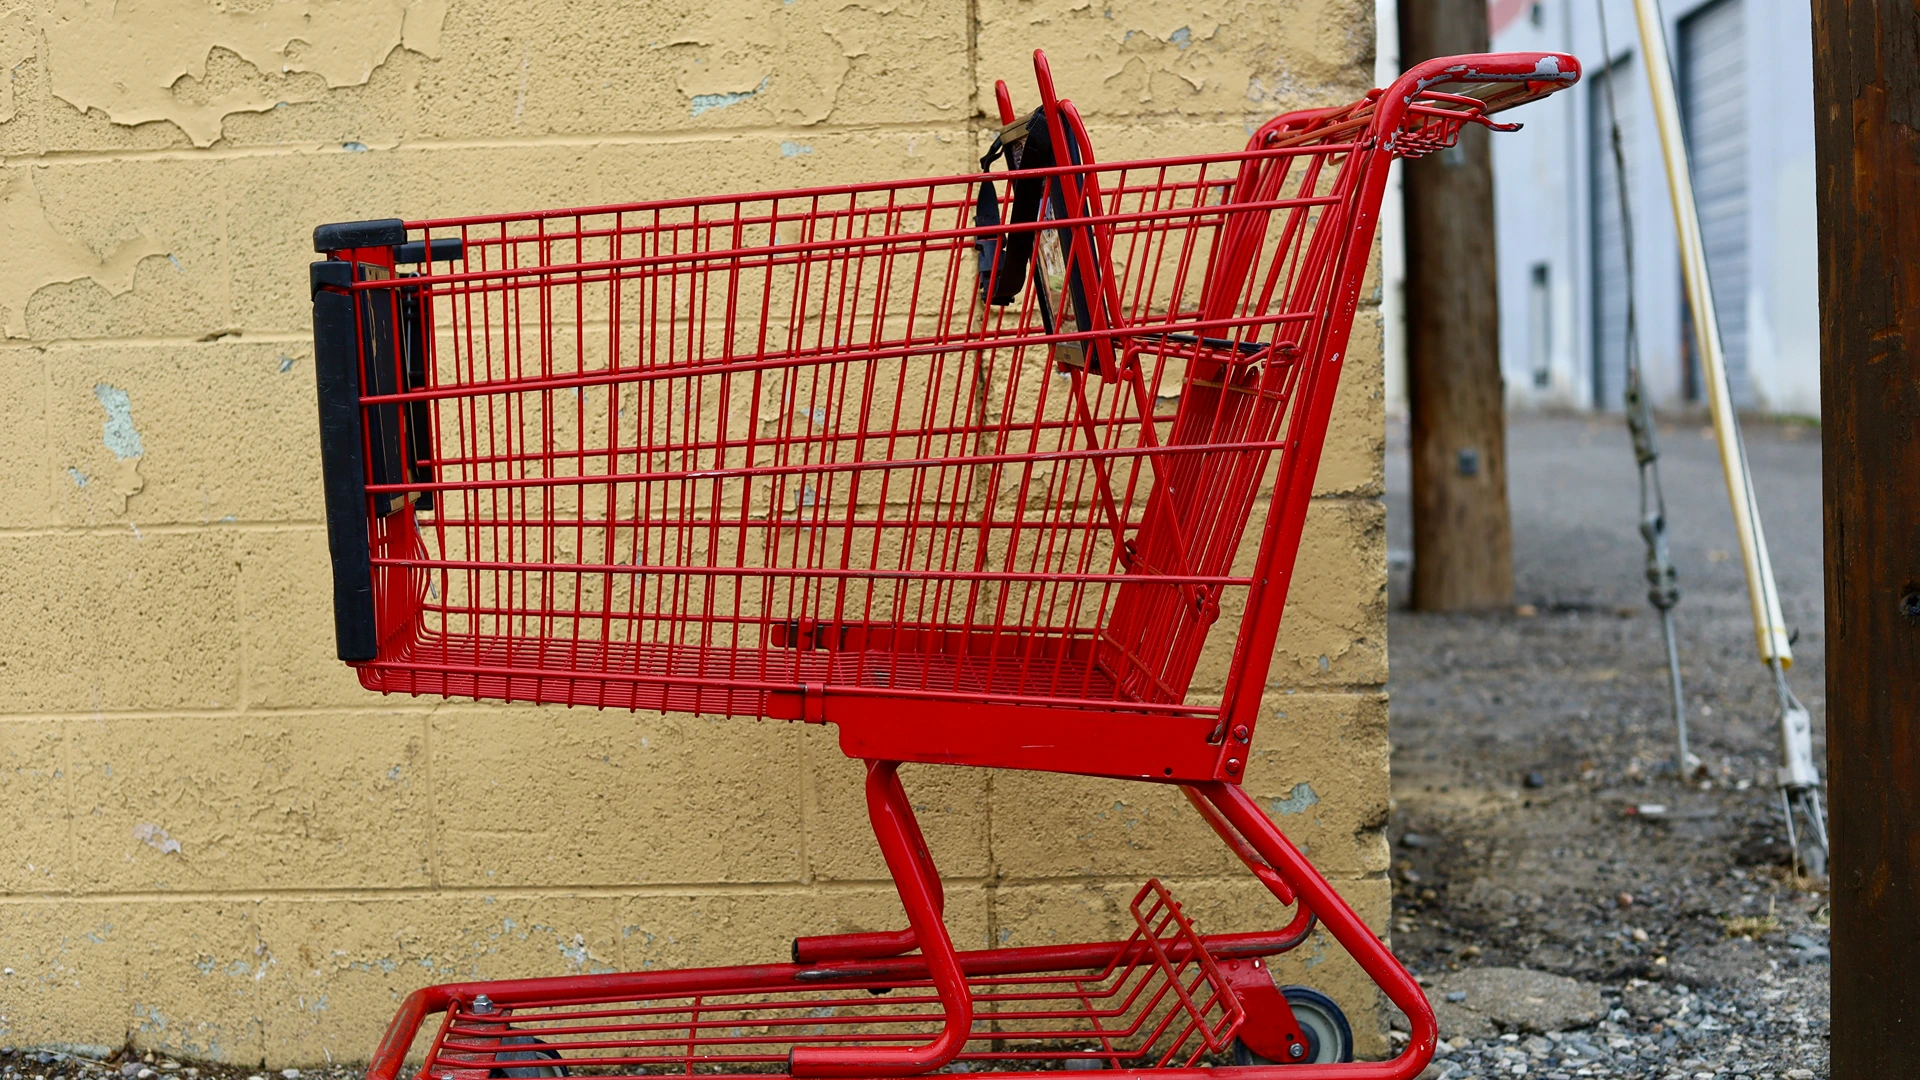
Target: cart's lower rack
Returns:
[[1165, 997]]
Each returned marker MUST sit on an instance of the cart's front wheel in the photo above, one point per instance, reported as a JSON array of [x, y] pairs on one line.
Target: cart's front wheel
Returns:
[[1329, 1037], [532, 1072]]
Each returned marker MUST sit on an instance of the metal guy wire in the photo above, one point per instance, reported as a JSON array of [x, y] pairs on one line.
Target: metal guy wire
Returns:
[[1663, 581]]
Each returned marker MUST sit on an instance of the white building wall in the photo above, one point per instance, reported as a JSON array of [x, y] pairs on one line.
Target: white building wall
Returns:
[[1535, 184], [1543, 209], [1783, 305]]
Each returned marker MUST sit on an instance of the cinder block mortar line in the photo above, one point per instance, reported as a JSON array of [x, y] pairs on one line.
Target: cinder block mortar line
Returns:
[[584, 141], [618, 892], [221, 337], [242, 605], [982, 116], [240, 335], [47, 451], [433, 805], [170, 528], [298, 335], [375, 706], [809, 806], [994, 873], [1335, 498], [226, 252], [957, 126], [241, 599], [979, 121], [677, 889], [399, 707], [70, 844], [232, 336], [48, 447]]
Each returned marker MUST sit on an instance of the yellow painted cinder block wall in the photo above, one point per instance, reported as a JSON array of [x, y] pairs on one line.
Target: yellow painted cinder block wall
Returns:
[[214, 842]]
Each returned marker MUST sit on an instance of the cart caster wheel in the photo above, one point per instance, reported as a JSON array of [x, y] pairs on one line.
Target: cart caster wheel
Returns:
[[1329, 1037], [532, 1072]]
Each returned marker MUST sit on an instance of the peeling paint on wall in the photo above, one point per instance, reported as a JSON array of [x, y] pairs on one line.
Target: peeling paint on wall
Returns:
[[118, 433], [156, 838], [17, 41], [38, 254], [709, 102], [140, 61], [150, 1019], [725, 54], [578, 955], [1303, 796], [122, 438]]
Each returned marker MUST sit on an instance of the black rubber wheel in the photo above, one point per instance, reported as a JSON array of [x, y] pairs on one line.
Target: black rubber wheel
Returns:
[[532, 1072], [1329, 1036]]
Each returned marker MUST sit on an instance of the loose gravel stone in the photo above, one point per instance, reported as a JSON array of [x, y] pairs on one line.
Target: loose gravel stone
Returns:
[[1514, 999]]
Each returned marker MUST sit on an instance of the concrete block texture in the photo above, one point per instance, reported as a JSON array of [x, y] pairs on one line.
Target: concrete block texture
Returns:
[[238, 803], [217, 843]]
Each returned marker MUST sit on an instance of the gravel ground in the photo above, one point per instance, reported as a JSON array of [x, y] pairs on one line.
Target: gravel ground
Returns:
[[1531, 746], [51, 1064]]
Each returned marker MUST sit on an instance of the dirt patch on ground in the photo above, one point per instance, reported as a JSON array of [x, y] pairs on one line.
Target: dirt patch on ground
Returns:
[[1531, 748]]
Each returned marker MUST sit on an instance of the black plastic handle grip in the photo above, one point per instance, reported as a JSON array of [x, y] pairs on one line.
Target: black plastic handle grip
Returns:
[[341, 235], [444, 249], [343, 473]]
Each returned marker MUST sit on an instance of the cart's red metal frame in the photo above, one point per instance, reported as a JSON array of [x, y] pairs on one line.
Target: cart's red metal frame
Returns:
[[950, 564]]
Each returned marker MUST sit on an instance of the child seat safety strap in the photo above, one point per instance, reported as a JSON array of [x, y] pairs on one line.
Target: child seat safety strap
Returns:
[[1004, 256]]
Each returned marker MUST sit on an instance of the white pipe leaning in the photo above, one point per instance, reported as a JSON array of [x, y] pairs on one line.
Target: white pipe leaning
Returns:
[[1769, 625]]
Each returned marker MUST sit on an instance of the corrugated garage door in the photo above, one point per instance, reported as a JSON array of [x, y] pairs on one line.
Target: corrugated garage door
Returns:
[[1609, 253], [1713, 106]]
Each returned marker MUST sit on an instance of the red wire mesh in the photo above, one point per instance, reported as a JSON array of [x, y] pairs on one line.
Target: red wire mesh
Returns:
[[678, 455], [1159, 1002]]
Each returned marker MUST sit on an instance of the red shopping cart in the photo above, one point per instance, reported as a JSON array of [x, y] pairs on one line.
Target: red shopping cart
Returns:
[[962, 466]]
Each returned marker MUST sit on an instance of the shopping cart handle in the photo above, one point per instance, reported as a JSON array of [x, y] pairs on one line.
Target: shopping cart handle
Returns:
[[329, 274], [342, 472], [444, 249], [342, 235]]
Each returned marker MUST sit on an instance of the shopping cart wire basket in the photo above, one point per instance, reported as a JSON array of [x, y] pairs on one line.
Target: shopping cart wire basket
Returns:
[[968, 467]]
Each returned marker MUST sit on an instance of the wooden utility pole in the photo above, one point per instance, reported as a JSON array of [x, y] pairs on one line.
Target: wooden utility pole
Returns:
[[1462, 533], [1866, 97]]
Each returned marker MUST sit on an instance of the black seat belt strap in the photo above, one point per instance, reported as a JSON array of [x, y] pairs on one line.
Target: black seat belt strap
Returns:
[[1004, 257]]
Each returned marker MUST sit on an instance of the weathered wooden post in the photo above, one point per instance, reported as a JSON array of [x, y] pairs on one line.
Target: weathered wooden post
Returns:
[[1866, 88], [1462, 532]]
